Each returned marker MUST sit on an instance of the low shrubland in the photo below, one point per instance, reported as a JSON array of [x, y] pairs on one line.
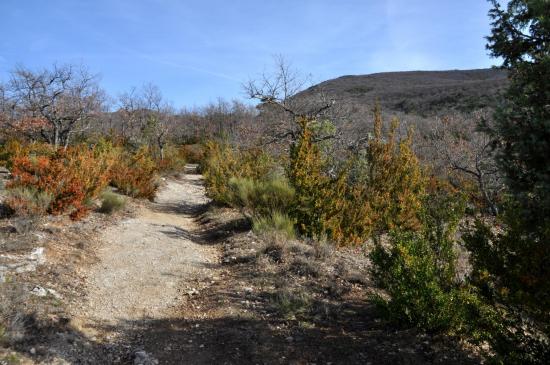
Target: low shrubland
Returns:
[[222, 162], [28, 201], [274, 223], [370, 192], [46, 180], [70, 177], [261, 197], [381, 197]]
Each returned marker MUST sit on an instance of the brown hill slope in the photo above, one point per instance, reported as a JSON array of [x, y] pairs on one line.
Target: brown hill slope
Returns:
[[421, 93]]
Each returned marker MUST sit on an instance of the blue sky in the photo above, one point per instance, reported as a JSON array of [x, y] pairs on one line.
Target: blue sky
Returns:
[[196, 51]]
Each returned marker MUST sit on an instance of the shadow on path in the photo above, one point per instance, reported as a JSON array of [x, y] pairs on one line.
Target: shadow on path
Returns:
[[212, 235]]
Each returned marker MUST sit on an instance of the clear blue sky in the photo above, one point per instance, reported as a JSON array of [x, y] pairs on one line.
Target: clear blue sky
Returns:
[[198, 50]]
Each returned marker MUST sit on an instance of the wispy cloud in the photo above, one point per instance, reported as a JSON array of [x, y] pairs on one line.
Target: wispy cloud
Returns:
[[179, 65]]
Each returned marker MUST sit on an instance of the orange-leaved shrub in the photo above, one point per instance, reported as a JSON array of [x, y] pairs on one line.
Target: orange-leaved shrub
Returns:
[[14, 148], [71, 178], [135, 174], [192, 153], [173, 160]]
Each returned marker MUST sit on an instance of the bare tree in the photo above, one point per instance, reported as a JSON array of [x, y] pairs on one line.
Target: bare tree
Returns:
[[4, 106], [461, 147], [4, 111], [279, 106], [128, 113], [146, 118], [231, 120], [60, 101]]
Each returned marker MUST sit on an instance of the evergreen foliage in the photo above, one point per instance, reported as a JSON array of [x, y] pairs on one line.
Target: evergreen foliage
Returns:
[[374, 191], [512, 263]]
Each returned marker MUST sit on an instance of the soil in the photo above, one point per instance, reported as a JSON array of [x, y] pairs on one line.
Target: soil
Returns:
[[179, 281], [145, 263]]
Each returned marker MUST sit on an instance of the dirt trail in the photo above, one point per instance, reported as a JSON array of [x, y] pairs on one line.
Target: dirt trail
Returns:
[[145, 263]]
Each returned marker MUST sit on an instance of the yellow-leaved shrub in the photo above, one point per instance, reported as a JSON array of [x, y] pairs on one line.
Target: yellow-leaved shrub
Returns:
[[374, 191], [222, 162]]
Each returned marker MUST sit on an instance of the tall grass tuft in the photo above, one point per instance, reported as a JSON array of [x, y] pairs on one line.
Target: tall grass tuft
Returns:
[[274, 223], [261, 197], [111, 202]]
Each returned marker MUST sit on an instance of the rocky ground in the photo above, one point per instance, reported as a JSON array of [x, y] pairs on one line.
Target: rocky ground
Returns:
[[179, 281]]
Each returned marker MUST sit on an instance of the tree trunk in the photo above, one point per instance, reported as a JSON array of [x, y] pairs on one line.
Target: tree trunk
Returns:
[[66, 142], [492, 206], [56, 136]]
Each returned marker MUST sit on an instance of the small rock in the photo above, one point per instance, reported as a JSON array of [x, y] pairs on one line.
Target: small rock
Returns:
[[32, 351], [192, 292], [143, 358], [54, 293], [39, 291], [37, 254], [248, 290]]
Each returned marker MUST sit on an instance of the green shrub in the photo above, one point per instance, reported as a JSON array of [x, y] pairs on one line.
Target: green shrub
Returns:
[[418, 295], [111, 202], [511, 269], [275, 222], [417, 271], [222, 162], [261, 197]]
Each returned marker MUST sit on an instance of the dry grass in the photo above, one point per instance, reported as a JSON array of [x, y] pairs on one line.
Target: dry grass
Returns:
[[111, 202]]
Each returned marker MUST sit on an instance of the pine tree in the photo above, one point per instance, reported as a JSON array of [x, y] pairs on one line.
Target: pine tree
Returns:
[[512, 265], [521, 37]]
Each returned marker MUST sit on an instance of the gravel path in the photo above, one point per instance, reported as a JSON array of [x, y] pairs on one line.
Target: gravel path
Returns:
[[144, 262]]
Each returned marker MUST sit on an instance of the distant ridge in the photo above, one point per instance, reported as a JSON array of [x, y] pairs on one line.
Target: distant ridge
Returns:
[[420, 93]]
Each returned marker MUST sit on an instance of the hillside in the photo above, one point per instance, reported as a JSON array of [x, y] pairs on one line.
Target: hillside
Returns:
[[421, 93]]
